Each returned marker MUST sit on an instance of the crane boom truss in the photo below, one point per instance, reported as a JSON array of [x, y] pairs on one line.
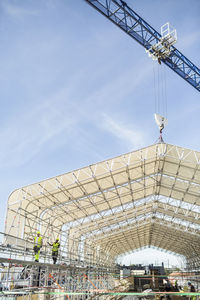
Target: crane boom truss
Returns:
[[129, 21]]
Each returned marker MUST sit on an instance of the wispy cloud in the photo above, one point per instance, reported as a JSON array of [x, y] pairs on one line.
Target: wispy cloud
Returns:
[[189, 40], [122, 85], [125, 133], [17, 10], [25, 135]]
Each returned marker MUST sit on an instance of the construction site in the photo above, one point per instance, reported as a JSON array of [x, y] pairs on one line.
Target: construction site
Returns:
[[93, 215]]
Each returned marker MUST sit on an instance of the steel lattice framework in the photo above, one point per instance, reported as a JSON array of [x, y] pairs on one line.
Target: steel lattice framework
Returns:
[[149, 197], [118, 12], [25, 278]]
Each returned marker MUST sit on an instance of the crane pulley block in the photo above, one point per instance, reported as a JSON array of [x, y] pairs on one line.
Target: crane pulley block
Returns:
[[163, 49]]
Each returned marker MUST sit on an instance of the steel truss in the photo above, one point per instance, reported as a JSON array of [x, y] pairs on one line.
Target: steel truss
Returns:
[[148, 197], [118, 12]]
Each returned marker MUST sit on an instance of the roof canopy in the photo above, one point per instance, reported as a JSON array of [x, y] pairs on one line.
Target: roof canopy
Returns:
[[149, 197]]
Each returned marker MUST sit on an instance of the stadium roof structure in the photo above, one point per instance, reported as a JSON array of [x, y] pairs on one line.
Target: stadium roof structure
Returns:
[[148, 197]]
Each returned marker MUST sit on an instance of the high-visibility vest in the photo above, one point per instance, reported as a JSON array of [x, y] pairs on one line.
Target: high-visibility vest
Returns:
[[38, 241], [55, 247]]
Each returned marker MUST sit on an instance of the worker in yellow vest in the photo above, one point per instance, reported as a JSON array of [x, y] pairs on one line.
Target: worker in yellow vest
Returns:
[[55, 247], [37, 246]]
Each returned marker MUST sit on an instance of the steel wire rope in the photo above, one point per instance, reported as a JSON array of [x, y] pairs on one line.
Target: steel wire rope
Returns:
[[155, 92], [160, 89], [165, 92]]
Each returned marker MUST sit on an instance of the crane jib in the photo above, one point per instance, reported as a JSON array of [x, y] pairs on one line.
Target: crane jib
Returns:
[[129, 21]]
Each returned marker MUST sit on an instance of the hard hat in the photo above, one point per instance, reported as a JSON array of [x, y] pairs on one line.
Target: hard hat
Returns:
[[57, 239], [38, 232]]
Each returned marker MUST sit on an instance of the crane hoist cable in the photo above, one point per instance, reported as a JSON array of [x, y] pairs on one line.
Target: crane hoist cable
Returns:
[[160, 93], [160, 98]]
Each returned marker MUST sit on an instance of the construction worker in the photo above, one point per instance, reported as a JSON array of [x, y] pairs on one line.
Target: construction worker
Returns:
[[55, 247], [37, 246], [191, 290], [176, 285]]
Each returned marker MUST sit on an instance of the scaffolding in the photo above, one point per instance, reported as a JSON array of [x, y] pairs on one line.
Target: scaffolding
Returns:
[[23, 278], [149, 197]]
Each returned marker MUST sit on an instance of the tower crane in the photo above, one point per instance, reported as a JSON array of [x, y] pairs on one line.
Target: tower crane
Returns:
[[158, 46]]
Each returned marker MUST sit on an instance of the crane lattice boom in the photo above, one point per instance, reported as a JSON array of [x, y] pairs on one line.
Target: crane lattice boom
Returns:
[[129, 21]]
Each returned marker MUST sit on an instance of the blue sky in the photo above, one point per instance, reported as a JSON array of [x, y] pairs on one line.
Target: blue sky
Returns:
[[75, 89]]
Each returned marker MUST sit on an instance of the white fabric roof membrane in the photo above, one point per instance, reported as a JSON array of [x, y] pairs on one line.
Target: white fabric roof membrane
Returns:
[[148, 197]]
